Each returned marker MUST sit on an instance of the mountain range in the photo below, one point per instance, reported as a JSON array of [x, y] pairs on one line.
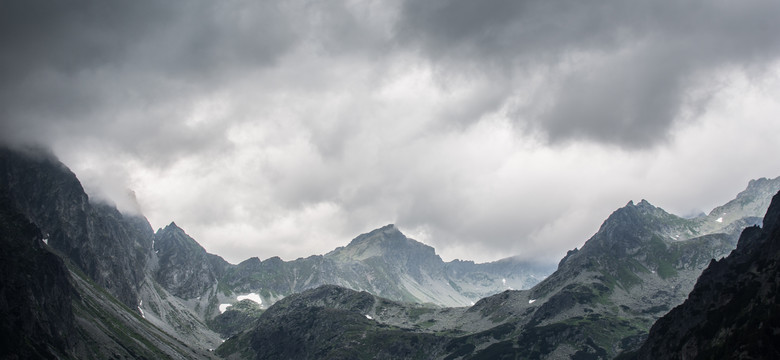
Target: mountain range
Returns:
[[600, 302], [86, 281]]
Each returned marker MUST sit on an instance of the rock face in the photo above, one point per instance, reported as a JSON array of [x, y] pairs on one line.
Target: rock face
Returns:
[[35, 292], [734, 308], [112, 249], [108, 255]]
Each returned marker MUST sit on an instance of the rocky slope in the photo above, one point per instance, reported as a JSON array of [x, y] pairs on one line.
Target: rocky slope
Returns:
[[110, 256], [50, 310], [111, 248], [734, 308], [35, 292]]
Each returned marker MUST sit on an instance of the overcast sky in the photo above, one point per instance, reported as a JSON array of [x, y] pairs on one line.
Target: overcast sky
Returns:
[[483, 128]]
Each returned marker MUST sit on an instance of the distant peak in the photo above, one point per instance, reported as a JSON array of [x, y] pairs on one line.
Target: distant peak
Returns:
[[641, 204], [170, 227], [762, 184], [382, 241], [387, 230], [388, 227]]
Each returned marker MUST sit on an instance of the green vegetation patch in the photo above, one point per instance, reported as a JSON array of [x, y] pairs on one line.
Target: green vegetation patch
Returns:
[[414, 313]]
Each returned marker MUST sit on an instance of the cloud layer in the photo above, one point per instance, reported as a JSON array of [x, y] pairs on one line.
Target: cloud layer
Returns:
[[486, 129]]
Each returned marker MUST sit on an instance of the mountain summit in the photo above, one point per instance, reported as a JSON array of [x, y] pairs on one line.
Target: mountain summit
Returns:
[[387, 242]]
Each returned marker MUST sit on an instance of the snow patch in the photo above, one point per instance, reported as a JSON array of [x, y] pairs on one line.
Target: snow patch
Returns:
[[223, 307], [531, 301], [141, 310], [503, 281], [251, 296], [720, 220], [369, 317], [472, 303]]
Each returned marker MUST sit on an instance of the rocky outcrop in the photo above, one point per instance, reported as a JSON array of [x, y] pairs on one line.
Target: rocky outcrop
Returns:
[[734, 308]]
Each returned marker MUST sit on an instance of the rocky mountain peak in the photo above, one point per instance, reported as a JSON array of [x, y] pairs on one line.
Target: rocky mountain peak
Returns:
[[387, 242], [174, 237], [172, 226], [632, 222], [184, 267], [385, 233]]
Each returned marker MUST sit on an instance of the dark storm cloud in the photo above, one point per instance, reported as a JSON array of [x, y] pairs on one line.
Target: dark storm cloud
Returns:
[[195, 37], [126, 70], [300, 123], [617, 72]]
